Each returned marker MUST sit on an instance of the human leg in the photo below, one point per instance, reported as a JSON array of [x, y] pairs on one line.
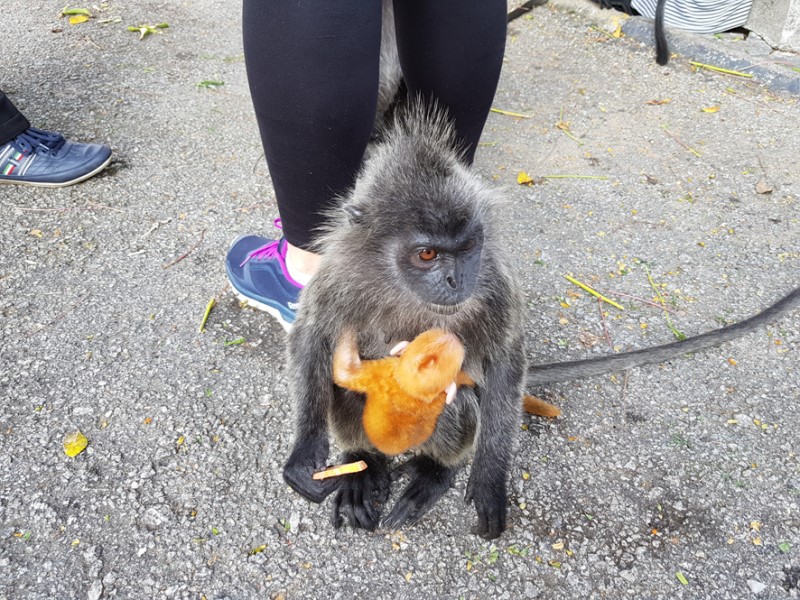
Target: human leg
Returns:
[[12, 122], [313, 74], [452, 51]]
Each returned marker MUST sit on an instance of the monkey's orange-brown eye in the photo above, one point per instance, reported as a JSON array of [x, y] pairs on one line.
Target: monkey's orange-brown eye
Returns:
[[428, 254]]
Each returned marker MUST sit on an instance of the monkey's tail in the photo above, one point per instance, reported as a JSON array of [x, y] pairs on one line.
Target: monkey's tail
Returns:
[[550, 373], [662, 48]]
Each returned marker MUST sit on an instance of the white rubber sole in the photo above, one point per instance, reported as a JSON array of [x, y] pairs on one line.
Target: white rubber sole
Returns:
[[262, 307], [83, 177]]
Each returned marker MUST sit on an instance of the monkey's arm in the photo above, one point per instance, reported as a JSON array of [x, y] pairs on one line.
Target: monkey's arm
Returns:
[[311, 388], [566, 371], [500, 415]]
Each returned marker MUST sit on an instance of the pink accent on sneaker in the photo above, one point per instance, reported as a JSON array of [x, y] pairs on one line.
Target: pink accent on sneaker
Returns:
[[270, 251]]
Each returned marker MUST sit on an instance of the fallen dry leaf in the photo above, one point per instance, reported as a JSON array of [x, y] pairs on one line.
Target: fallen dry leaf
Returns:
[[75, 443], [524, 179], [762, 187]]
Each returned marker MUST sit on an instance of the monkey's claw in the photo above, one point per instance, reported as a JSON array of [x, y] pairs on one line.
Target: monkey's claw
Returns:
[[429, 482], [491, 505], [361, 495]]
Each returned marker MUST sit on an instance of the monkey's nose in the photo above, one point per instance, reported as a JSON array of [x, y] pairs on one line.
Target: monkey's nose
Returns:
[[451, 282]]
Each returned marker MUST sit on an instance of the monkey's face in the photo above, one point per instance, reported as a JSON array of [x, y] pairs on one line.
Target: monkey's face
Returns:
[[442, 269]]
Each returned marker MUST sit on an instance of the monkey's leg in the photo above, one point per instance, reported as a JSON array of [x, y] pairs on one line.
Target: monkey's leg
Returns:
[[361, 495], [429, 482]]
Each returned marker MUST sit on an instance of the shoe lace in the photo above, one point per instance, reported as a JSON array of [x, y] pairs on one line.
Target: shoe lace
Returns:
[[267, 251], [38, 140]]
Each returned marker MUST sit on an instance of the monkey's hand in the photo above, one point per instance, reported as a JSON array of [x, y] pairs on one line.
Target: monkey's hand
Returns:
[[309, 455], [490, 502]]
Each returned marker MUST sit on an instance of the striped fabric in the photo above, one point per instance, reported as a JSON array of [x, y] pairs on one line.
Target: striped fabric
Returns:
[[699, 16], [13, 162]]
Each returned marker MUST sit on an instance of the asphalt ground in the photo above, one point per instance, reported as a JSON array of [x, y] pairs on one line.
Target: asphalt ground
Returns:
[[679, 480]]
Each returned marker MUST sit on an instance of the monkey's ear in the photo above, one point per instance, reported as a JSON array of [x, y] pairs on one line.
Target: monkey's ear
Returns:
[[354, 214]]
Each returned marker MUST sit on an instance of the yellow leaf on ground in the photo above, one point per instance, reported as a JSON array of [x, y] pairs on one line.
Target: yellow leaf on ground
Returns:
[[75, 443], [257, 550], [711, 109], [524, 179], [76, 19]]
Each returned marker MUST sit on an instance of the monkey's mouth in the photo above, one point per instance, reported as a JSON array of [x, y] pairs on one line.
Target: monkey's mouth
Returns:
[[446, 309]]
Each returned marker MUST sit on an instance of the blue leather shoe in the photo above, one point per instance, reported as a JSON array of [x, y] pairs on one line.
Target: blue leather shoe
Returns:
[[257, 271], [46, 159]]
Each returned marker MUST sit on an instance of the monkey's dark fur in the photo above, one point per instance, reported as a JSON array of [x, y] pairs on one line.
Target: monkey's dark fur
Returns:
[[414, 193]]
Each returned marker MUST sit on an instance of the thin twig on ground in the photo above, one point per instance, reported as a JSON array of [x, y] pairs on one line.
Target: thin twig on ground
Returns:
[[69, 208], [61, 315], [188, 252], [649, 302], [682, 143]]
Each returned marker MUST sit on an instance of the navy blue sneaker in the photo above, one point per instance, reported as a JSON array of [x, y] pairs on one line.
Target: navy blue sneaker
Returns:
[[46, 159], [257, 271]]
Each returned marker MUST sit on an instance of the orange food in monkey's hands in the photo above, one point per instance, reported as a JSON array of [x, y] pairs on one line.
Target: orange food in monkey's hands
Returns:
[[404, 394], [338, 471]]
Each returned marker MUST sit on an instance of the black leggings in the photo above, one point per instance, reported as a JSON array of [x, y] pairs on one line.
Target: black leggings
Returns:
[[313, 72], [12, 122]]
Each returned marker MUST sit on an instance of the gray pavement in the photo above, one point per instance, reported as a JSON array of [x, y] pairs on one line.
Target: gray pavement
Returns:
[[675, 481]]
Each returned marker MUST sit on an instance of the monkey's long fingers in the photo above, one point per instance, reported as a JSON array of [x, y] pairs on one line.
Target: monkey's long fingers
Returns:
[[407, 468], [490, 505], [430, 481], [417, 500], [307, 457], [336, 516], [354, 502]]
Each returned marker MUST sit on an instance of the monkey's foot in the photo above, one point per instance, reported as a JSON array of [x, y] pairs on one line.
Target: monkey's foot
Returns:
[[361, 495], [429, 482]]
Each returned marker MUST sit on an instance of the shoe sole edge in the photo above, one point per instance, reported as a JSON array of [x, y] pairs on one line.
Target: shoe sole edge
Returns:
[[49, 184], [273, 312]]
